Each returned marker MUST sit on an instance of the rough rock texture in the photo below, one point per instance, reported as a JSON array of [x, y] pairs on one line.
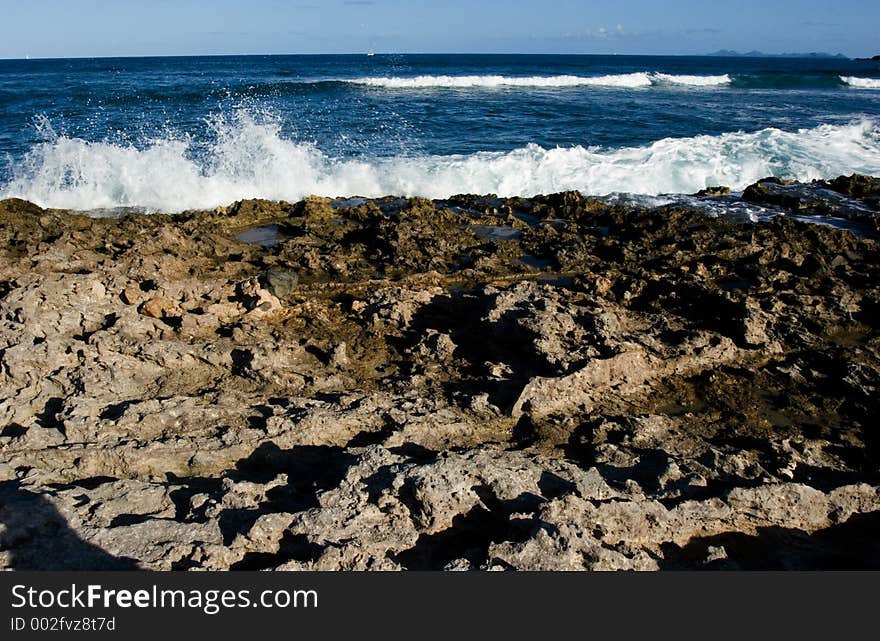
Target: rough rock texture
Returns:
[[855, 198], [553, 383]]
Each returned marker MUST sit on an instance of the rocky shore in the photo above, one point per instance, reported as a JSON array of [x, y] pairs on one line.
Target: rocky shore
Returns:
[[555, 383]]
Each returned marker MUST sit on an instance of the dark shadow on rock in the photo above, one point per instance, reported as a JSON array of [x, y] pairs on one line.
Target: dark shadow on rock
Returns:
[[825, 479], [852, 545], [114, 411], [242, 360], [382, 480], [187, 488], [261, 419], [650, 465], [39, 538], [309, 470], [379, 482], [461, 315], [696, 304], [374, 437], [48, 417], [415, 453], [553, 486], [6, 286], [292, 547], [13, 430], [471, 534]]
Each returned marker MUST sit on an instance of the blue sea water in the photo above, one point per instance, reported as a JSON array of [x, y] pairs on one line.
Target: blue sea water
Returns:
[[179, 133]]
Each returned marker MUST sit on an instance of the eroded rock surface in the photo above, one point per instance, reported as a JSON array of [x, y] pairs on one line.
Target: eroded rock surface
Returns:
[[552, 383]]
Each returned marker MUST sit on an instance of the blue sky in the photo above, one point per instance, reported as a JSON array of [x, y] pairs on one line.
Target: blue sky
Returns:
[[65, 28]]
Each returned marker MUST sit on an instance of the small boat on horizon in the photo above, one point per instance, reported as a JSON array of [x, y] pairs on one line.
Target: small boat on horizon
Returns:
[[371, 53]]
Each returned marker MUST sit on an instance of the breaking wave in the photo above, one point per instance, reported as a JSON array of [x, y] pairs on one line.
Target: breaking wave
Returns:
[[861, 83], [250, 159], [628, 80], [691, 81]]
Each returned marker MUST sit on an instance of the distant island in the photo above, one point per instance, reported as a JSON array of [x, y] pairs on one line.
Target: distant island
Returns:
[[727, 53]]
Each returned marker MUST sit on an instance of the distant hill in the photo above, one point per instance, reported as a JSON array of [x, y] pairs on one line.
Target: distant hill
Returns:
[[727, 53]]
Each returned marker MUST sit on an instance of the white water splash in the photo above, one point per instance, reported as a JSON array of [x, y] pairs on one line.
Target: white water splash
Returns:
[[250, 159], [630, 80], [861, 83], [636, 80], [691, 81]]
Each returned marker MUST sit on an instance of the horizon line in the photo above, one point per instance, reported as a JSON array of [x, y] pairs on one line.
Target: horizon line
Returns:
[[806, 54]]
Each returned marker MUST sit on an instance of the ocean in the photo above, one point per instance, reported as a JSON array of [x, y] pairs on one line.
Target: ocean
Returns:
[[171, 134]]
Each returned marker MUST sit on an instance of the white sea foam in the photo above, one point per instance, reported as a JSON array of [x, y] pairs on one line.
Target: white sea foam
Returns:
[[861, 83], [691, 81], [249, 159], [629, 80], [635, 80]]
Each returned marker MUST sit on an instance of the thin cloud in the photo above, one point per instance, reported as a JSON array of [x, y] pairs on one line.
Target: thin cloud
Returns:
[[597, 33]]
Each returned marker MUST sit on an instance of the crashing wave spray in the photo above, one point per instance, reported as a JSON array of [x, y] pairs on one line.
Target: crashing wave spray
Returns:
[[627, 81], [861, 83], [251, 159]]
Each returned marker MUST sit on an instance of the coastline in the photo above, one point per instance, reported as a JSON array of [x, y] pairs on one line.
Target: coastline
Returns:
[[534, 383]]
